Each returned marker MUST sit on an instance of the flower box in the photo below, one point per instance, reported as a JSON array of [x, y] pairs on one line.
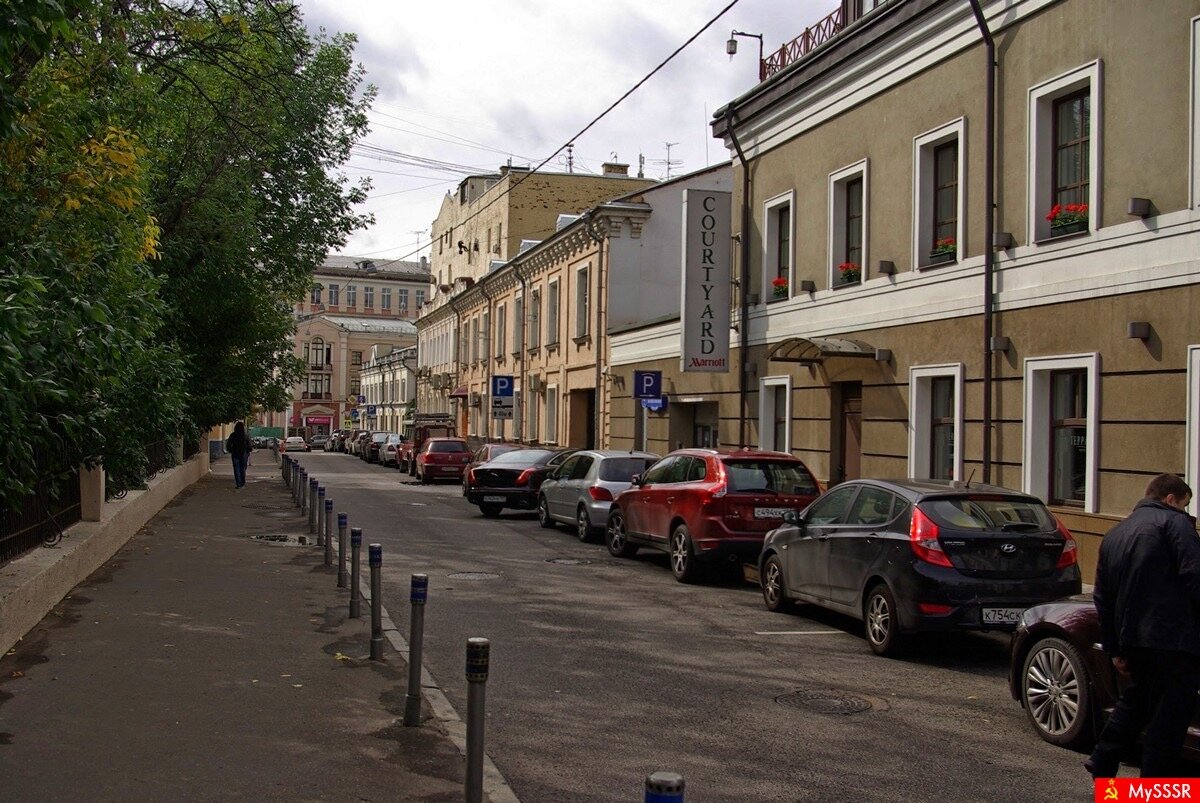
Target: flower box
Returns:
[[942, 257], [849, 273], [1069, 227], [779, 287]]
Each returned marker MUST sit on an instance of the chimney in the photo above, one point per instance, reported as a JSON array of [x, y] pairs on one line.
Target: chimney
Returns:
[[424, 264], [615, 169]]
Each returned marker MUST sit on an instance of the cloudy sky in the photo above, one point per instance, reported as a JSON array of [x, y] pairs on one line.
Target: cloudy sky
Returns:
[[465, 85]]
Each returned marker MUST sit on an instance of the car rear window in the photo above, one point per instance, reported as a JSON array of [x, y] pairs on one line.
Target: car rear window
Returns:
[[521, 457], [779, 476], [989, 512], [447, 446], [622, 469]]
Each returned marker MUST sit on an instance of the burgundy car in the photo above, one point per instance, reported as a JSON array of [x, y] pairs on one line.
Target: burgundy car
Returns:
[[1066, 683], [442, 458], [702, 506]]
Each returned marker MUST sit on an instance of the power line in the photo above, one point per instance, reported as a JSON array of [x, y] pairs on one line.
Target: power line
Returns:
[[582, 131]]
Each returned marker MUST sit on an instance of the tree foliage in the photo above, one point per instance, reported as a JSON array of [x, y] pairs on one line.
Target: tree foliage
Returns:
[[169, 182]]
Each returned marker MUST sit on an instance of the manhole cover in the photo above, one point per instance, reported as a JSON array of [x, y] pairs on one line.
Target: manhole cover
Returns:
[[568, 561], [474, 576], [825, 702]]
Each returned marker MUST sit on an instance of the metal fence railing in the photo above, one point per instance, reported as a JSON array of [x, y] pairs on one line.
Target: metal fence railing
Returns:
[[41, 517]]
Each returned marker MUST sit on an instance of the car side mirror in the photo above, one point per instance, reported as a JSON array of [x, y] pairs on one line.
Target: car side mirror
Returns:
[[793, 518], [636, 479]]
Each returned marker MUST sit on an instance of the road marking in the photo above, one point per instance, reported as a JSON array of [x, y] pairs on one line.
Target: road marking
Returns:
[[796, 632]]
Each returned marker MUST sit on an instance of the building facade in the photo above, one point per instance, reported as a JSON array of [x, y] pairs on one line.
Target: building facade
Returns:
[[389, 385], [372, 288], [876, 331]]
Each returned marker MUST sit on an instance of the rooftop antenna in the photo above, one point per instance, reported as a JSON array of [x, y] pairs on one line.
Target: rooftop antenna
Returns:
[[570, 157], [669, 162], [641, 165]]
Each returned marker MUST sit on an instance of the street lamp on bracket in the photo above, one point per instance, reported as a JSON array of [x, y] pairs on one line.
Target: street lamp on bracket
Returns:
[[731, 47]]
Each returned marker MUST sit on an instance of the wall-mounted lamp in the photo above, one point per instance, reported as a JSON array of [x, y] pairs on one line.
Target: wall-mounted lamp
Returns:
[[887, 267], [1003, 240], [1139, 330], [883, 355], [808, 286], [1140, 207], [1000, 343]]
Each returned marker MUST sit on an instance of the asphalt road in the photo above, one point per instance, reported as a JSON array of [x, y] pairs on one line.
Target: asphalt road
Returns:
[[605, 669]]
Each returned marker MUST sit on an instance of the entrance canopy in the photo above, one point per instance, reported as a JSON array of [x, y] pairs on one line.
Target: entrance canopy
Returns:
[[815, 350], [460, 392]]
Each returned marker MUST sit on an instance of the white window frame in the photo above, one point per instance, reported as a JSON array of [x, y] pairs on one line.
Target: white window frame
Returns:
[[770, 243], [501, 333], [552, 302], [552, 414], [475, 339], [352, 295], [385, 298], [531, 417], [838, 180], [1040, 148], [334, 295], [766, 413], [1035, 451], [1192, 436], [1194, 126], [518, 324], [535, 318], [583, 305], [920, 407], [924, 146], [485, 336], [368, 296]]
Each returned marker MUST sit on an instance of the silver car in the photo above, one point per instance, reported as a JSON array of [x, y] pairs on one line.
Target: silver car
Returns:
[[580, 491]]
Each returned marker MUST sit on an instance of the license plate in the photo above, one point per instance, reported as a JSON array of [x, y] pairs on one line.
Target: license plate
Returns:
[[493, 498], [770, 512], [450, 469], [1002, 616]]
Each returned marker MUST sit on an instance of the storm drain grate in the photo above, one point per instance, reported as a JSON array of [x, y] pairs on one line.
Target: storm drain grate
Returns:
[[568, 561], [825, 702], [474, 576]]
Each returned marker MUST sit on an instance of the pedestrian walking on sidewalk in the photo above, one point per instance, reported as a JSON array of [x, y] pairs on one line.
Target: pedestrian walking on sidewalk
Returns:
[[239, 448], [1148, 596]]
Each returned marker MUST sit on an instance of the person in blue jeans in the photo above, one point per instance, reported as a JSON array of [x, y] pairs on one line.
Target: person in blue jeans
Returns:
[[239, 448]]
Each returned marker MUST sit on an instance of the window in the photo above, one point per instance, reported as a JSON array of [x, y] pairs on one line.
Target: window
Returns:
[[485, 330], [420, 298], [1192, 429], [552, 313], [355, 386], [935, 421], [356, 358], [318, 385], [351, 296], [385, 299], [777, 247], [333, 295], [1061, 429], [535, 319], [402, 300], [464, 342], [316, 294], [531, 413], [474, 340], [518, 324], [501, 330], [581, 302], [832, 509], [318, 353], [848, 193], [938, 202], [774, 417], [659, 471], [872, 507], [368, 298], [1064, 151], [552, 414]]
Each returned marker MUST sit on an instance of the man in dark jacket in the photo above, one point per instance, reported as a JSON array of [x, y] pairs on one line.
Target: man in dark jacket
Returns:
[[1148, 597]]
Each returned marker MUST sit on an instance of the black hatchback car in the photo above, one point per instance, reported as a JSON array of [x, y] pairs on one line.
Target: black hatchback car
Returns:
[[919, 555]]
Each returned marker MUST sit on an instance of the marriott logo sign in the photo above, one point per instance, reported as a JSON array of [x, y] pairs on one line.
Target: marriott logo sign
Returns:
[[707, 265]]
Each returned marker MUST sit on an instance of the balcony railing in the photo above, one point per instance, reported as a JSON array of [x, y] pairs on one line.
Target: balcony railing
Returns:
[[315, 395], [812, 38]]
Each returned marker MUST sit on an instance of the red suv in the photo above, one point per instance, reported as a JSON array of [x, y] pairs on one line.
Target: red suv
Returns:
[[442, 457], [705, 505]]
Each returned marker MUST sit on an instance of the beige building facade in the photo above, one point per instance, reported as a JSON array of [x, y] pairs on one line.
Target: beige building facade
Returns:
[[873, 336], [389, 383]]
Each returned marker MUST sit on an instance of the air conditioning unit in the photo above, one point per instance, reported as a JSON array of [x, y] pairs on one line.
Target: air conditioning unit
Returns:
[[424, 372], [476, 400], [535, 384], [446, 380], [438, 382]]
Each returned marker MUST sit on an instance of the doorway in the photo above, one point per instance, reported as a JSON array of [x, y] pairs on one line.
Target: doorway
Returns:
[[581, 426], [846, 432]]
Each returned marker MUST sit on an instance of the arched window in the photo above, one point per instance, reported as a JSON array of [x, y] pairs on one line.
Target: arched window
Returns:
[[316, 353]]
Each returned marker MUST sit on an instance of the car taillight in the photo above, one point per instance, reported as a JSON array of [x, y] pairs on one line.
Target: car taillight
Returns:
[[470, 475], [934, 609], [524, 476], [600, 494], [1070, 553], [923, 538]]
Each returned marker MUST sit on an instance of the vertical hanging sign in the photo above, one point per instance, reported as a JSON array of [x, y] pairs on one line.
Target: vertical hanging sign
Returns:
[[707, 274]]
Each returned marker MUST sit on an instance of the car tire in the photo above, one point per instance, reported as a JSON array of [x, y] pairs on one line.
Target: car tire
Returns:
[[583, 525], [544, 519], [490, 510], [773, 587], [881, 621], [683, 557], [615, 537], [422, 477], [1057, 693]]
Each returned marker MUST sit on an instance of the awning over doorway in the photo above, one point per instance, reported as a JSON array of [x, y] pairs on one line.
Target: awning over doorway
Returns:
[[460, 392], [815, 350]]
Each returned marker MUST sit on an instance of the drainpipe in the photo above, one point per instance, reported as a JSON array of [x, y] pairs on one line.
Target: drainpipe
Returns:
[[486, 413], [989, 230], [743, 281], [588, 223], [457, 347], [519, 415]]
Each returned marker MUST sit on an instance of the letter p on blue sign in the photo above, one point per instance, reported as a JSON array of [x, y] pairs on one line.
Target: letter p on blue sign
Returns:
[[647, 384]]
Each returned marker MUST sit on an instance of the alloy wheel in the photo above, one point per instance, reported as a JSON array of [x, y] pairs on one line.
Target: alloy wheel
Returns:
[[1052, 690], [879, 619]]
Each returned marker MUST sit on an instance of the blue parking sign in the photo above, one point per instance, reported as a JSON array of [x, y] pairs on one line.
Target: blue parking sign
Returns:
[[502, 386], [647, 384]]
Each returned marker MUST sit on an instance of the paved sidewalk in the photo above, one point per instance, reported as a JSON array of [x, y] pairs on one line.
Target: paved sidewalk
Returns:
[[202, 663]]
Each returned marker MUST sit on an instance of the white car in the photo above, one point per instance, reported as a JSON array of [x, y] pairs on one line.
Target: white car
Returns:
[[295, 443]]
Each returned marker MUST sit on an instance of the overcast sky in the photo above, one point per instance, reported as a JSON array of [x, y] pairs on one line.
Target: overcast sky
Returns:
[[472, 83]]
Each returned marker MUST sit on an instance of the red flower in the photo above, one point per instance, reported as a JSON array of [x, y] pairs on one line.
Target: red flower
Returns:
[[779, 281], [846, 267]]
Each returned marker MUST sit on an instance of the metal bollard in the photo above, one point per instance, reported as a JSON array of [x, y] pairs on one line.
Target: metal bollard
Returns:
[[355, 572], [477, 675], [375, 560], [664, 787], [341, 572], [297, 492], [416, 635], [313, 485], [328, 532], [321, 507], [283, 469]]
